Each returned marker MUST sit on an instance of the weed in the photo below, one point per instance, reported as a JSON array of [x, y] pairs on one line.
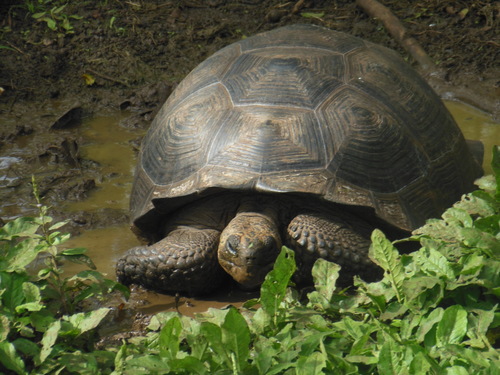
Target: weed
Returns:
[[40, 327], [56, 20]]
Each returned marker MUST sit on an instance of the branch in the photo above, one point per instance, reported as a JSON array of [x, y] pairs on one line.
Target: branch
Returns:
[[376, 10]]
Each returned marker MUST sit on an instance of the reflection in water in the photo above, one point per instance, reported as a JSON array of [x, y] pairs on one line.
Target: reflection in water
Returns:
[[108, 144]]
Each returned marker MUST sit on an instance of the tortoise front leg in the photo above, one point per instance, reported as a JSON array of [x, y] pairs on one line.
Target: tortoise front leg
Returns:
[[314, 236], [184, 261]]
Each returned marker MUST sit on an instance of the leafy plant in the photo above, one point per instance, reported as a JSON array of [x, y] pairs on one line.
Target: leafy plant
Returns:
[[40, 327], [56, 20]]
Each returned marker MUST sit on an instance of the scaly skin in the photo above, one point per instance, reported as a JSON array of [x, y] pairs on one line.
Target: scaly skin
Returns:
[[242, 235]]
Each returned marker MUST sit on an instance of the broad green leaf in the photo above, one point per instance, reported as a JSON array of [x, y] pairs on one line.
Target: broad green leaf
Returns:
[[390, 359], [27, 347], [213, 334], [83, 322], [274, 287], [18, 257], [120, 359], [10, 359], [153, 364], [457, 216], [311, 365], [456, 370], [490, 224], [169, 338], [188, 365], [20, 227], [420, 365], [325, 275], [383, 253], [236, 336], [437, 264], [428, 323], [12, 283], [74, 251], [4, 327], [32, 297], [479, 322], [49, 339], [453, 327], [495, 165]]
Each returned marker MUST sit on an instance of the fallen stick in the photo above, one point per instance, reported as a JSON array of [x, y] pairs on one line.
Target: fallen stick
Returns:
[[398, 31], [108, 77]]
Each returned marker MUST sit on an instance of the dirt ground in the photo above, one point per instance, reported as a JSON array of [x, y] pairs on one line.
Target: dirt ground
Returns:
[[99, 55]]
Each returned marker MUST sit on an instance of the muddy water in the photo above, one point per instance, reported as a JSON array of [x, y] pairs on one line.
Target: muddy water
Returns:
[[477, 125], [108, 144]]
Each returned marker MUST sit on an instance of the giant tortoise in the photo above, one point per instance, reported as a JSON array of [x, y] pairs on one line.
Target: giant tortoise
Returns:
[[300, 136]]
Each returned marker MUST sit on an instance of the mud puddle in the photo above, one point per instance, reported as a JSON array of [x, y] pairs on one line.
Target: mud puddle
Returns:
[[477, 125]]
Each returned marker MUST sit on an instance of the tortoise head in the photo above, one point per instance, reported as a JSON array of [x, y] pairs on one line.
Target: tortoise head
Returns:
[[248, 248]]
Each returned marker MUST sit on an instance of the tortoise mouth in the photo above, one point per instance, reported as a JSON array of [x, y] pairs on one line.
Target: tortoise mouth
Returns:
[[247, 276]]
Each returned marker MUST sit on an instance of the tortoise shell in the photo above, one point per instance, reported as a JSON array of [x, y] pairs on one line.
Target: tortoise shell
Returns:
[[304, 109]]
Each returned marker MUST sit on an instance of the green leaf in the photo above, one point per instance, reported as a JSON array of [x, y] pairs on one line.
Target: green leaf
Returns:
[[390, 359], [58, 225], [74, 251], [4, 327], [78, 258], [27, 347], [20, 227], [428, 323], [18, 257], [149, 362], [457, 216], [32, 298], [312, 364], [420, 365], [325, 275], [456, 370], [453, 327], [13, 285], [120, 359], [169, 338], [10, 359], [437, 264], [49, 339], [495, 165], [213, 334], [274, 287], [187, 365], [236, 337], [83, 322], [383, 253]]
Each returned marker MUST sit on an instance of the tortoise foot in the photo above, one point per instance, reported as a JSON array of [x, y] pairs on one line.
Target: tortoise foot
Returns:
[[317, 236], [185, 261]]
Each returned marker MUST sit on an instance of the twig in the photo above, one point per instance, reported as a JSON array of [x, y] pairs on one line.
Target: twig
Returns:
[[398, 31], [108, 77], [298, 6], [14, 47]]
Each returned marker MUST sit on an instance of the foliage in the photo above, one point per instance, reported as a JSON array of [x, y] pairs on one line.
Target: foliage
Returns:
[[434, 312], [40, 328], [56, 20]]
